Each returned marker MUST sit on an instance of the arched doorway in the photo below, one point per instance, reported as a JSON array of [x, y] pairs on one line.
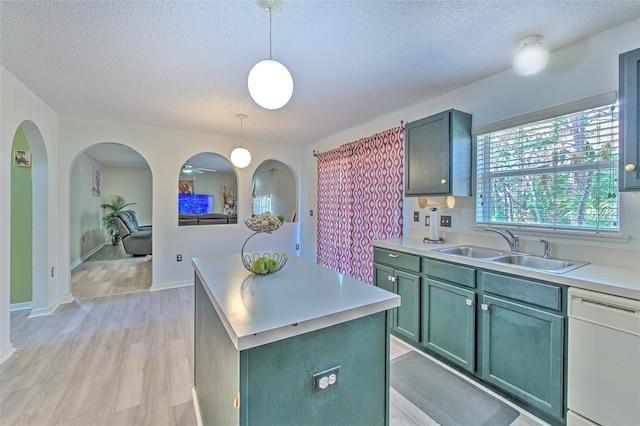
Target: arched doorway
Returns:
[[29, 283], [98, 176]]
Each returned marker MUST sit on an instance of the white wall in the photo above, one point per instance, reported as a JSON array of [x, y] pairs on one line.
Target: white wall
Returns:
[[85, 232], [582, 70], [211, 183], [166, 150], [19, 105], [135, 186]]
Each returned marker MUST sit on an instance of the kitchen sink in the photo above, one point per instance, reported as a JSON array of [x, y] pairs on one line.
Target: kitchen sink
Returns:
[[557, 266], [471, 251], [521, 260]]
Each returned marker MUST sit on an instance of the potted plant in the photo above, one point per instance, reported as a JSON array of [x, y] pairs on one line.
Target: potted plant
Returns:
[[116, 206]]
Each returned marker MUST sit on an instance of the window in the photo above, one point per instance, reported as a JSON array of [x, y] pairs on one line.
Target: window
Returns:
[[559, 172], [261, 205]]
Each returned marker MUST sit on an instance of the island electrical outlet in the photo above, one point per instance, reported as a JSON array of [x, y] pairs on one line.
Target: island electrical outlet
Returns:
[[327, 379], [445, 221]]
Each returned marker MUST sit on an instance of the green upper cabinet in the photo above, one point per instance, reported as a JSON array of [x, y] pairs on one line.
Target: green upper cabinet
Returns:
[[630, 121], [438, 155]]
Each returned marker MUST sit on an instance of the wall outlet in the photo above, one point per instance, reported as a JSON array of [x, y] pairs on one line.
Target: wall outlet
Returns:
[[327, 379], [445, 221], [297, 246], [178, 258], [427, 220], [416, 216], [310, 212]]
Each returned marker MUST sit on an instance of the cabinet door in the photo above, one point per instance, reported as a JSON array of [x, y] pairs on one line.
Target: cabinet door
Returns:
[[383, 277], [427, 156], [523, 352], [408, 313], [630, 121], [448, 322]]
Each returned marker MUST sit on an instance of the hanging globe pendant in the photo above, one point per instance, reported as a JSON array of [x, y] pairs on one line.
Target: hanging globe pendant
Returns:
[[270, 84]]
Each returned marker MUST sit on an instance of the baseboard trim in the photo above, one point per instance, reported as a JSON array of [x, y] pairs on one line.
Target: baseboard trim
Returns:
[[79, 261], [64, 300], [8, 350], [196, 406], [22, 306], [40, 312], [167, 286]]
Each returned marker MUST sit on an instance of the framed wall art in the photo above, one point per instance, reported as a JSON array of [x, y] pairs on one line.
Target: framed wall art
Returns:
[[96, 179], [21, 158], [185, 187]]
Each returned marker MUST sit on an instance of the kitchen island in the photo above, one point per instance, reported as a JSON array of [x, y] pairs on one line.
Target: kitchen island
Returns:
[[306, 345]]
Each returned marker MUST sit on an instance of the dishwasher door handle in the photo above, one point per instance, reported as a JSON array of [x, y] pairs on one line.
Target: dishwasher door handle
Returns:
[[606, 305]]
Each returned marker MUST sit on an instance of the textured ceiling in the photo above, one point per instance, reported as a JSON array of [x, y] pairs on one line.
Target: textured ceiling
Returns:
[[184, 64]]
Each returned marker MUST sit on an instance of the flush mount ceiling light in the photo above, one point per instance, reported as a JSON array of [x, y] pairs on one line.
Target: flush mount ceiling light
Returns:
[[270, 83], [241, 157], [532, 56]]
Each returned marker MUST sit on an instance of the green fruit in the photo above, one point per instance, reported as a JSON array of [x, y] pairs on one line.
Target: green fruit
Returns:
[[272, 265], [281, 217]]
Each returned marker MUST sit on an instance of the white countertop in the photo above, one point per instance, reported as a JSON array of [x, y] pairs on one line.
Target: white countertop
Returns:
[[300, 298], [605, 279]]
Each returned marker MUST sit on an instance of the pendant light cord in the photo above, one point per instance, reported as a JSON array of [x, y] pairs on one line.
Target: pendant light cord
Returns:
[[269, 33], [241, 137]]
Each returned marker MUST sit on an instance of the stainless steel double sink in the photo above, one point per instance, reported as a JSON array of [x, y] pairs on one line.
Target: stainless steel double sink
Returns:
[[517, 259]]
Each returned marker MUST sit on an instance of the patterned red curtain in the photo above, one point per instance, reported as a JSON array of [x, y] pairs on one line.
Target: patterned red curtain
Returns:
[[359, 200]]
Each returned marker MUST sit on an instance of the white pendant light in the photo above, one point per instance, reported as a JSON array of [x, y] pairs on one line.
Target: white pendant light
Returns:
[[241, 157], [532, 56], [270, 83]]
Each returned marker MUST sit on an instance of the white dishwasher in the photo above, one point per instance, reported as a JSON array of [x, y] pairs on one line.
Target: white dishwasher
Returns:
[[603, 360]]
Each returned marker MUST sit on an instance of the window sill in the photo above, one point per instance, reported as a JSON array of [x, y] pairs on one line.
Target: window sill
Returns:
[[577, 235]]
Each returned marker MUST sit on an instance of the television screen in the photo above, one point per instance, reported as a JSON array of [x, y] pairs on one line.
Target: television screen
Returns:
[[195, 204]]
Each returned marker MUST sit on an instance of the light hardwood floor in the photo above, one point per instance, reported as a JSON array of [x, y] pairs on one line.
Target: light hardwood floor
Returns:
[[119, 360], [111, 271]]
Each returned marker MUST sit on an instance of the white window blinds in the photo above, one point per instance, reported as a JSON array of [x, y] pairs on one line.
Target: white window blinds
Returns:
[[559, 172]]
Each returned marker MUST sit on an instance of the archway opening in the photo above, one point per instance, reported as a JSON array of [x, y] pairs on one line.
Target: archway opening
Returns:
[[103, 263]]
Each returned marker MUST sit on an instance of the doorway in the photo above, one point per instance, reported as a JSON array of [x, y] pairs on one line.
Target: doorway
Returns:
[[98, 175]]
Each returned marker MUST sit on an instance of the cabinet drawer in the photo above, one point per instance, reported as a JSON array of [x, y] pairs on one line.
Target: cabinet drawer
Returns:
[[532, 292], [397, 259], [449, 272]]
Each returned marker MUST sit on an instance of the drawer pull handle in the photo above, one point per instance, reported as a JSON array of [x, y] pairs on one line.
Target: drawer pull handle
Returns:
[[630, 167], [469, 302], [391, 278], [393, 255], [484, 307]]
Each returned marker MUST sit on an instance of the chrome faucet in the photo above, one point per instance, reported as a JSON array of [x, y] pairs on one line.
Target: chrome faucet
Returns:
[[547, 248], [513, 240]]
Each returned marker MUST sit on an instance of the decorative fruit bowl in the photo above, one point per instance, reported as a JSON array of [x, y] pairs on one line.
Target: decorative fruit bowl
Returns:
[[264, 264], [265, 222]]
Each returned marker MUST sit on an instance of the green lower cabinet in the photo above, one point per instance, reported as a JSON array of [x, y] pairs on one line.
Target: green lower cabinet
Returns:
[[448, 322], [405, 319], [408, 313], [523, 353]]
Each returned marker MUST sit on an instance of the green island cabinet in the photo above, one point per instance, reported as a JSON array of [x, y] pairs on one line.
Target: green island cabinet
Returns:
[[438, 155], [502, 329], [303, 346], [399, 273], [630, 121]]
